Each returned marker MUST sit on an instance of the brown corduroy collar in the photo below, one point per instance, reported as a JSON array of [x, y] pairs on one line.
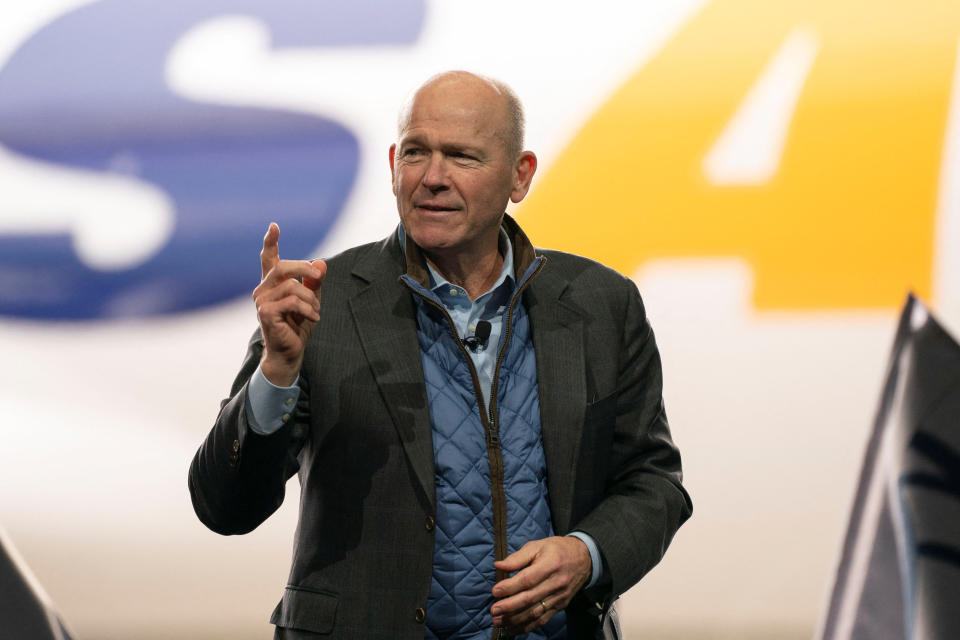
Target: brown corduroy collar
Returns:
[[523, 252]]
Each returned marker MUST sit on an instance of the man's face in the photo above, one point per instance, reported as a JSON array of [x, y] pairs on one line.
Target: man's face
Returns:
[[452, 173]]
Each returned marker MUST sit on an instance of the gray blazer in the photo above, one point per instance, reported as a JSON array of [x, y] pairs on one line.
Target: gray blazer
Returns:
[[360, 439]]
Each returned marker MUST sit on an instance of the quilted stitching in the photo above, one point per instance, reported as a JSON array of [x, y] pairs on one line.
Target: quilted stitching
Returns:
[[463, 576]]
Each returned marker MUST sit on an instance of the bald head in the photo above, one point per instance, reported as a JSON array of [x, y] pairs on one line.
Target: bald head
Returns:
[[489, 92], [457, 163]]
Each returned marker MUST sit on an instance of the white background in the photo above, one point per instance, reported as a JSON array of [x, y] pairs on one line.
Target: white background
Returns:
[[99, 420]]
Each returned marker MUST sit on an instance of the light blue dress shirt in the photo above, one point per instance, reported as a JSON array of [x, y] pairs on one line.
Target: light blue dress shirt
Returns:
[[466, 313], [269, 407]]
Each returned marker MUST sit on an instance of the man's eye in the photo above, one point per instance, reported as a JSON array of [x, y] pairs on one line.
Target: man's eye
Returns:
[[410, 153]]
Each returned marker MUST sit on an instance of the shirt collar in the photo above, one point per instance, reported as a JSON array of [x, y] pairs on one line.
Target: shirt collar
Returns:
[[440, 284]]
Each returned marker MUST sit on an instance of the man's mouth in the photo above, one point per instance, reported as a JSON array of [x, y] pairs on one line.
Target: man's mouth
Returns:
[[435, 207]]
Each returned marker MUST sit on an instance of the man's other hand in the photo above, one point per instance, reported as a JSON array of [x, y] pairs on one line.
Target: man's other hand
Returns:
[[287, 299], [549, 573]]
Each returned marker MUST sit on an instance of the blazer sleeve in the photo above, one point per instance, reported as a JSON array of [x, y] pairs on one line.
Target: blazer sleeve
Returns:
[[643, 502], [237, 477]]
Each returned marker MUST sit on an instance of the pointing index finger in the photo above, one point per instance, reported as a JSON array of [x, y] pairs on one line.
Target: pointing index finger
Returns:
[[270, 255]]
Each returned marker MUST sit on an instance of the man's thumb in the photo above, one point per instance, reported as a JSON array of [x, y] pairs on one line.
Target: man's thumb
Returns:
[[314, 283]]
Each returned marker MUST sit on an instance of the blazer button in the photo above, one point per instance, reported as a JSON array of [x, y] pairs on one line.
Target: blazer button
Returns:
[[420, 615], [430, 523]]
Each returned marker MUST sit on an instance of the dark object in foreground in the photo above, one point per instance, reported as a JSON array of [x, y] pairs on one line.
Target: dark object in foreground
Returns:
[[899, 571], [25, 609]]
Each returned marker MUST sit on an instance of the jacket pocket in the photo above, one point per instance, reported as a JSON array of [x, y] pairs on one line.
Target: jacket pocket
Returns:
[[596, 444], [306, 610], [599, 422], [602, 410]]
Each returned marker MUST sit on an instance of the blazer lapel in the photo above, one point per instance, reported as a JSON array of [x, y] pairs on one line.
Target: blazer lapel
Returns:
[[385, 319], [558, 341]]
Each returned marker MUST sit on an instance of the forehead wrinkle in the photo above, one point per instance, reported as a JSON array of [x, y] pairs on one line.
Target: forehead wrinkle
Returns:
[[451, 133], [464, 86]]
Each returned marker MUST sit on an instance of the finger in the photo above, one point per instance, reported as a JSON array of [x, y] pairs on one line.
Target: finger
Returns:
[[289, 287], [525, 580], [536, 616], [533, 616], [313, 283], [303, 311], [288, 294], [564, 558], [514, 618], [288, 309], [519, 558], [270, 254], [539, 622], [286, 269], [529, 571], [549, 590]]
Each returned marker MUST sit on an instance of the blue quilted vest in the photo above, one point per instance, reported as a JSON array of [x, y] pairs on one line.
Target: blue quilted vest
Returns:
[[474, 457]]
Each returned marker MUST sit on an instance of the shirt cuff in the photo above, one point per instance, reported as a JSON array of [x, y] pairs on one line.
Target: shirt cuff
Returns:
[[269, 406], [596, 563]]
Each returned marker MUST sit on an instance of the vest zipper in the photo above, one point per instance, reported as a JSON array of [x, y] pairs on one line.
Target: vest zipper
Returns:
[[498, 491], [489, 417], [463, 349]]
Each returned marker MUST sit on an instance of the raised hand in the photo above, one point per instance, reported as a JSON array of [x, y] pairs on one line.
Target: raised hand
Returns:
[[549, 573], [287, 308]]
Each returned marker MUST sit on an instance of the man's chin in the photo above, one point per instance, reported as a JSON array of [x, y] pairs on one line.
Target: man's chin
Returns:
[[433, 246], [436, 236]]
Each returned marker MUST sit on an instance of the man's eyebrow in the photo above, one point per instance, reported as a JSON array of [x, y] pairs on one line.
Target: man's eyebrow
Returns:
[[408, 142], [410, 139], [461, 148], [446, 147]]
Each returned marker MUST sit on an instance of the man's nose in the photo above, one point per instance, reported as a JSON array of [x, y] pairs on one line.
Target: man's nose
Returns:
[[435, 175]]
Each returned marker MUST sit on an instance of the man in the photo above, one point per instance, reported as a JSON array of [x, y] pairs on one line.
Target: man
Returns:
[[457, 404]]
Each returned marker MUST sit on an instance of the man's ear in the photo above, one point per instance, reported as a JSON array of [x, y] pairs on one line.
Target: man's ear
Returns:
[[393, 174], [523, 171]]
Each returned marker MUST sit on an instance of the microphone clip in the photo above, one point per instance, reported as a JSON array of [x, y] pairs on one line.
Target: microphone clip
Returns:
[[478, 341]]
